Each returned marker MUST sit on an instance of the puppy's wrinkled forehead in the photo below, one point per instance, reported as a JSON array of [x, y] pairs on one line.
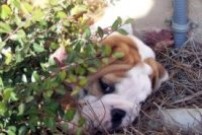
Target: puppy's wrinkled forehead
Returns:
[[124, 44], [103, 81]]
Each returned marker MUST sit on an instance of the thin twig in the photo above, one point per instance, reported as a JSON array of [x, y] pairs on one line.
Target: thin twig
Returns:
[[188, 98]]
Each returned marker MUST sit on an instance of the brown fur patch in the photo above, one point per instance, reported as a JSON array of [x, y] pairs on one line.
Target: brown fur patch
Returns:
[[158, 71], [124, 44], [117, 68]]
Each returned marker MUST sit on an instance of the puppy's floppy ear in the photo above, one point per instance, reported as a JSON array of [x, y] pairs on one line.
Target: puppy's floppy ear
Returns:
[[159, 73]]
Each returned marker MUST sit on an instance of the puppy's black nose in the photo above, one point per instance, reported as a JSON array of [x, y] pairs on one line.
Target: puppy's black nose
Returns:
[[116, 117]]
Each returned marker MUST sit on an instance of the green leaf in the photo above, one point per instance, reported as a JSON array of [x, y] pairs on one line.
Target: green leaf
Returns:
[[5, 28], [18, 35], [53, 2], [69, 115], [75, 91], [13, 96], [100, 32], [18, 56], [48, 94], [9, 94], [81, 121], [78, 46], [128, 21], [82, 81], [11, 130], [38, 48], [79, 131], [107, 50], [5, 11], [51, 107], [21, 108], [90, 50], [35, 77], [1, 84], [22, 130], [54, 45], [71, 57], [24, 78], [122, 31], [92, 70], [26, 7], [80, 61], [38, 15], [33, 120], [3, 108], [80, 70], [78, 9], [1, 126], [117, 23], [50, 122], [118, 55], [62, 75], [105, 60], [87, 33], [61, 15], [9, 57], [21, 34], [29, 99], [71, 78], [16, 3], [2, 44]]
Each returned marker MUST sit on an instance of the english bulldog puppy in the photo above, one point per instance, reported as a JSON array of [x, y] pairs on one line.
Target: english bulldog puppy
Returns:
[[115, 92], [112, 99]]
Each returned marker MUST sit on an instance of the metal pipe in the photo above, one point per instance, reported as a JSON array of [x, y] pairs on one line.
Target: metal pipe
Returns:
[[180, 23]]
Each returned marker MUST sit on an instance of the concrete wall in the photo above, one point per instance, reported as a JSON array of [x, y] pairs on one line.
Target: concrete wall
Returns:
[[146, 13], [159, 12], [195, 15], [150, 14]]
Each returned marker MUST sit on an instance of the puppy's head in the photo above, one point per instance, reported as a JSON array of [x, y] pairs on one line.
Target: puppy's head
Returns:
[[120, 103], [105, 106], [116, 90]]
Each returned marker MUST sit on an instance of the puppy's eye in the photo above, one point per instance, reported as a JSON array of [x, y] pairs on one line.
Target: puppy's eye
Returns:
[[142, 102], [106, 88], [85, 92]]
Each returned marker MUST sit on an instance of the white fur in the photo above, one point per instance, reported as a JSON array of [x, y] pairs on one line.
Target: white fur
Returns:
[[137, 85]]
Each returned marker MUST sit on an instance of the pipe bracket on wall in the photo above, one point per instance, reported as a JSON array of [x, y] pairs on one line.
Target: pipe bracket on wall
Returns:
[[180, 27]]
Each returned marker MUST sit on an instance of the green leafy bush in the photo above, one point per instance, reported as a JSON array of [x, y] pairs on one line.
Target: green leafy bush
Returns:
[[29, 33]]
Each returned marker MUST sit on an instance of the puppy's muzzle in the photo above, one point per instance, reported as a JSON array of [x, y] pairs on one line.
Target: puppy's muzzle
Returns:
[[116, 117]]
